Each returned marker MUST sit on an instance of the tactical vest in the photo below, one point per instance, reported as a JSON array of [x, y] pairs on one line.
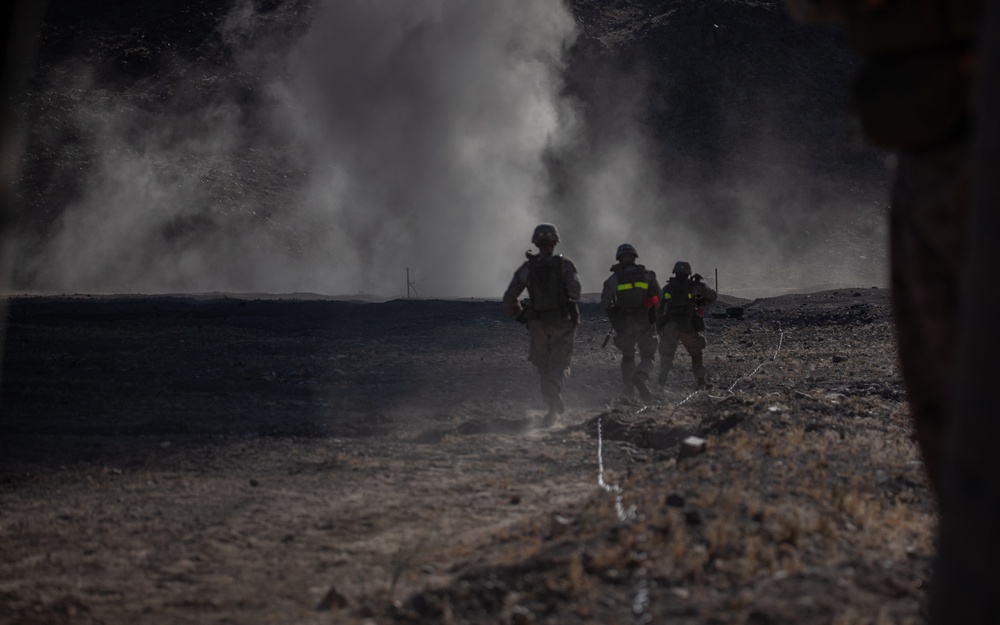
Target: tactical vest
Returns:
[[546, 287], [633, 282], [678, 300]]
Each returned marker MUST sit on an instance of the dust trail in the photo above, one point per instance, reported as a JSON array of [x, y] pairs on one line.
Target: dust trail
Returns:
[[433, 118], [388, 135], [329, 147]]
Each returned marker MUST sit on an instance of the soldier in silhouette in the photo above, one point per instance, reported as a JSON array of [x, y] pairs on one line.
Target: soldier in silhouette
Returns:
[[681, 320], [551, 314], [629, 297]]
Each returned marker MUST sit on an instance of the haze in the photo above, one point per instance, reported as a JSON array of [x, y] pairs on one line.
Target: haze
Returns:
[[429, 136]]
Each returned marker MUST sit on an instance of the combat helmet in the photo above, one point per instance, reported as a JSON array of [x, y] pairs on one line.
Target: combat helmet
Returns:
[[625, 248], [682, 267], [545, 233]]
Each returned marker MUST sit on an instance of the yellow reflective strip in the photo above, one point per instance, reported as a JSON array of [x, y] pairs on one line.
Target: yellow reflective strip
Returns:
[[641, 285], [666, 296], [624, 287], [690, 296]]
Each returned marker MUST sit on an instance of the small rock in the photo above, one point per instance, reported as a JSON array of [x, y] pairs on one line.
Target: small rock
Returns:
[[254, 482], [333, 600], [558, 526], [839, 358], [674, 501], [691, 446]]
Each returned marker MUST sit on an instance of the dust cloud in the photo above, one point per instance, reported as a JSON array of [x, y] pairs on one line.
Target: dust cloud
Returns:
[[428, 137], [762, 213]]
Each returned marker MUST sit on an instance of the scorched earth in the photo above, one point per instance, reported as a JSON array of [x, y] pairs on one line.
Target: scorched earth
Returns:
[[222, 459]]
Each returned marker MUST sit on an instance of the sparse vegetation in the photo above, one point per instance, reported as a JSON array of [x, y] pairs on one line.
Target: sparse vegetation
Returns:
[[285, 445]]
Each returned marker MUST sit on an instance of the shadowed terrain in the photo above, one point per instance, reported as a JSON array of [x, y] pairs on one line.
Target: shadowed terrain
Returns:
[[218, 459]]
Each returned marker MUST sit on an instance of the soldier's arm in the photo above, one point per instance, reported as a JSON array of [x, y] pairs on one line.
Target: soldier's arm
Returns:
[[608, 293], [511, 305], [705, 292], [653, 292], [571, 279]]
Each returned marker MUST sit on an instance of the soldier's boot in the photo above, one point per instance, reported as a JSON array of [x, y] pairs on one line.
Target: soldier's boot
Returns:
[[628, 377], [553, 396], [639, 380], [556, 408], [699, 375], [664, 374], [627, 385]]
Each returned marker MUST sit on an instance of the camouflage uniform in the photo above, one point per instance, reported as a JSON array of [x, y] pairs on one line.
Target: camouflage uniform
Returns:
[[551, 317], [629, 297], [679, 320]]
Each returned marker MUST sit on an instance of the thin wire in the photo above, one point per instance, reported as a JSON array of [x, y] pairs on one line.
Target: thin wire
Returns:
[[623, 514], [763, 362]]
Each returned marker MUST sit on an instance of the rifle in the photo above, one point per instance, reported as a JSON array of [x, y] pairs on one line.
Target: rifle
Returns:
[[699, 301]]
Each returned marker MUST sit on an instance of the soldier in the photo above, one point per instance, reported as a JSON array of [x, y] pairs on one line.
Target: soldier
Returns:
[[630, 296], [928, 91], [681, 319], [550, 312]]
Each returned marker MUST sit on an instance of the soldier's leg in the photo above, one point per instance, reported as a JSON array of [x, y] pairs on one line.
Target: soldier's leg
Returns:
[[647, 343], [668, 347], [539, 355], [625, 341], [562, 338], [928, 210], [694, 343]]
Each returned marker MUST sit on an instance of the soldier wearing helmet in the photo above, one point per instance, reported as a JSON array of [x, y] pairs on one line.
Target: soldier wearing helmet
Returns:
[[680, 319], [550, 312], [629, 297]]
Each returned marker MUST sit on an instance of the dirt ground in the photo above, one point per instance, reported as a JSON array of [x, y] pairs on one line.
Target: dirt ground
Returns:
[[221, 459]]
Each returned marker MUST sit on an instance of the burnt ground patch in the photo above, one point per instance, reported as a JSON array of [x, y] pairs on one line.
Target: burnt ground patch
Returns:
[[387, 455]]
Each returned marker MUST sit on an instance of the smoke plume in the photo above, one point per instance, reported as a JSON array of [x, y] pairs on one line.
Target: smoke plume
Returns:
[[337, 149], [411, 136]]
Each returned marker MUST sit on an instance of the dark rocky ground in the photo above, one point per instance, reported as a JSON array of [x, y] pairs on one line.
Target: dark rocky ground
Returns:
[[258, 460]]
